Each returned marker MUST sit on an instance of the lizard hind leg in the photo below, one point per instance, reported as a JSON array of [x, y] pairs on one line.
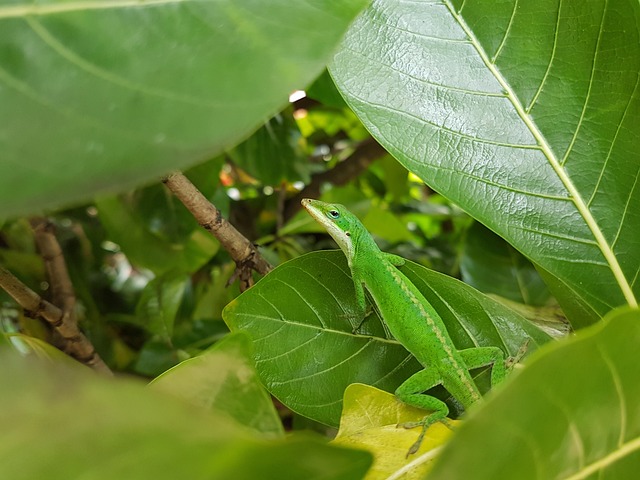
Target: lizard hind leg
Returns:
[[484, 356], [411, 393], [425, 423]]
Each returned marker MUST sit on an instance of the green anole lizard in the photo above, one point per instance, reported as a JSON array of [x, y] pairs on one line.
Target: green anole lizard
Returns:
[[411, 319]]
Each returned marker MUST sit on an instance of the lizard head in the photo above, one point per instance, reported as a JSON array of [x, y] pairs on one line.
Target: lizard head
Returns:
[[339, 222]]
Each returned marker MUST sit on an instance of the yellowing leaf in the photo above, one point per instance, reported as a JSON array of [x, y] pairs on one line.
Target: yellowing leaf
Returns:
[[372, 419]]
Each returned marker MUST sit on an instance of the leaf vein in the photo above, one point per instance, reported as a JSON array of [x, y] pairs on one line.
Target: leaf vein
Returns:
[[26, 90], [626, 208], [563, 160], [57, 8], [446, 88], [297, 347], [395, 369], [443, 128], [613, 140], [506, 33], [418, 34], [315, 327], [617, 382], [587, 215], [328, 369], [102, 74], [534, 99]]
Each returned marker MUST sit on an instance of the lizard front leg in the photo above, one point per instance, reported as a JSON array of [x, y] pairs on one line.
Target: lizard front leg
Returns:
[[363, 310]]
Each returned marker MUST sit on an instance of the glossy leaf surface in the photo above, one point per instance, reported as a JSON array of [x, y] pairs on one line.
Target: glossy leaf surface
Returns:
[[301, 320], [536, 139]]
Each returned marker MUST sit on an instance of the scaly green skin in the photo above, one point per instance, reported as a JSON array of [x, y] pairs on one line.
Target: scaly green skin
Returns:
[[410, 318]]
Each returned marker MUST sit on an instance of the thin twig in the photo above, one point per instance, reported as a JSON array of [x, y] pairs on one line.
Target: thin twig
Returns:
[[76, 344], [243, 252]]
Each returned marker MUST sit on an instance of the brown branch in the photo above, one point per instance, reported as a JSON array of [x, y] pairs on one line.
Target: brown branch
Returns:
[[62, 292], [76, 344], [365, 154], [243, 252]]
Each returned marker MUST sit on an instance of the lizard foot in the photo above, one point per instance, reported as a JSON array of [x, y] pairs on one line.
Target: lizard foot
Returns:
[[425, 423], [511, 362]]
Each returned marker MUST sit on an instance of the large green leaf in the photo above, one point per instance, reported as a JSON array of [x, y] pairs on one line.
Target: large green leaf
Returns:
[[301, 320], [60, 423], [573, 412], [100, 96], [523, 113]]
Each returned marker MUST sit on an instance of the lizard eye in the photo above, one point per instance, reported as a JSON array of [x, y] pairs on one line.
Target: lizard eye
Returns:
[[333, 213]]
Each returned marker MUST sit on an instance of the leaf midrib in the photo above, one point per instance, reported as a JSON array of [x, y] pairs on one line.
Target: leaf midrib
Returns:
[[576, 197], [323, 330]]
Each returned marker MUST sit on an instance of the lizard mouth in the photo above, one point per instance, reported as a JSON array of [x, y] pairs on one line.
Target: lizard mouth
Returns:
[[342, 238], [307, 204]]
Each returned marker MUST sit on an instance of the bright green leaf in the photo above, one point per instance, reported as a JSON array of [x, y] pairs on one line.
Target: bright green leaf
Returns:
[[301, 320], [60, 423], [224, 379], [99, 97], [383, 223], [573, 412], [329, 122], [523, 113]]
